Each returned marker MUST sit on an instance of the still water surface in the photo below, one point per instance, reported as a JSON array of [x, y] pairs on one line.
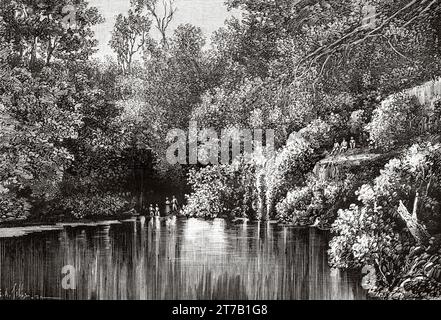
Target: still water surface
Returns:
[[176, 259]]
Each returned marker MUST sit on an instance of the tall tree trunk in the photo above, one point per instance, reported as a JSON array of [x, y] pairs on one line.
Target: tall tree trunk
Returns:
[[164, 40], [33, 57]]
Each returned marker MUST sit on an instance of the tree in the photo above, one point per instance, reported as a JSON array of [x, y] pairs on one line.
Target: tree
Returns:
[[44, 30], [329, 41], [176, 79], [129, 36], [396, 14], [162, 17], [44, 117], [54, 103]]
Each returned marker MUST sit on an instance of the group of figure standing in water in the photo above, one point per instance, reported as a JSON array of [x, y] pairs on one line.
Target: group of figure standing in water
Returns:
[[171, 207]]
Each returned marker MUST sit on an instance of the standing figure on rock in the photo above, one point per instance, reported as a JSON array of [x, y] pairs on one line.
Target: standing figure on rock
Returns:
[[175, 204], [167, 206], [344, 146], [352, 143]]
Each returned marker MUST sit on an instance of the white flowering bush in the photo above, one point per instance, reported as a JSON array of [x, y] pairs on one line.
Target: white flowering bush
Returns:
[[291, 164], [394, 122], [362, 235], [220, 190], [417, 172], [296, 206], [318, 199], [372, 233]]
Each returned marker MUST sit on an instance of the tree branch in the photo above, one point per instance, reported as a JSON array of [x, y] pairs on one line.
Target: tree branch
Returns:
[[339, 43]]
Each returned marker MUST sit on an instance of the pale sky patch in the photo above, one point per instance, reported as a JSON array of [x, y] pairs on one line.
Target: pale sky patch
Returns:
[[209, 15]]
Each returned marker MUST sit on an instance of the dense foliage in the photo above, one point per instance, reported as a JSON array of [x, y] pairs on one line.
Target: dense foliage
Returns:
[[318, 73], [78, 134], [373, 233], [223, 191], [395, 122]]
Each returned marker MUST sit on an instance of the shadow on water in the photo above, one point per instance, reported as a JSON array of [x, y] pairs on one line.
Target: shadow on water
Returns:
[[177, 259]]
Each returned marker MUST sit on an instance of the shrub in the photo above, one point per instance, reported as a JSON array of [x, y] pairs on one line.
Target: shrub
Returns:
[[293, 162], [222, 190], [296, 206], [373, 234], [318, 199], [88, 206], [393, 122], [13, 208]]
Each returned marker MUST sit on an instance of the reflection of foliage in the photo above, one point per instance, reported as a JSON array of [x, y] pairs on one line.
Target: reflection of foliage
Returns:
[[288, 64], [16, 293]]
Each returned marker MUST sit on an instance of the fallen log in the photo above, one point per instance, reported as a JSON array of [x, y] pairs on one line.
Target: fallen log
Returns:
[[418, 231]]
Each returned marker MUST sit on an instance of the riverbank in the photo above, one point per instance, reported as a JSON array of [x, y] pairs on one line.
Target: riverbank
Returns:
[[63, 220], [56, 224]]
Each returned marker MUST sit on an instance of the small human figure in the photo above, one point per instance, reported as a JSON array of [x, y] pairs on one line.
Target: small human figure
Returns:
[[430, 123], [344, 146], [336, 148], [423, 125], [151, 211], [167, 206], [157, 211], [372, 144], [175, 204], [352, 143]]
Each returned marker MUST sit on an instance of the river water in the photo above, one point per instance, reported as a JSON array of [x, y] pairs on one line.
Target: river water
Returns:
[[146, 258]]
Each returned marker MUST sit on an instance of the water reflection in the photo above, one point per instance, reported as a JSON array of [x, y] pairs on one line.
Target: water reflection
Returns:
[[177, 259]]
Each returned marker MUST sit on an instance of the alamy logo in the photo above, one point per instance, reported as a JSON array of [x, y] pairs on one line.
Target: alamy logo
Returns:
[[206, 147], [68, 282], [69, 16], [370, 278]]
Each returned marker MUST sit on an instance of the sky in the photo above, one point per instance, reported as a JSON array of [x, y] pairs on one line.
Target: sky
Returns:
[[206, 14]]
